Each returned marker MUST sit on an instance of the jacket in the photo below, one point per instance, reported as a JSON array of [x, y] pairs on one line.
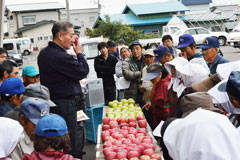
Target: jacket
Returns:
[[48, 155], [218, 60], [132, 74], [118, 69], [5, 107], [105, 69], [60, 72]]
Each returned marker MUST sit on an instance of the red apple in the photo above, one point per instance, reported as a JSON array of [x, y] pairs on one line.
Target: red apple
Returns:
[[105, 127], [132, 124], [131, 119], [132, 131], [121, 154], [140, 117], [106, 120], [148, 152], [107, 149], [130, 136], [136, 141], [124, 133], [134, 158], [123, 124], [132, 154], [125, 128], [111, 155], [107, 144], [105, 134], [148, 146], [122, 120], [145, 157], [146, 140], [142, 123], [156, 156], [75, 39], [127, 141], [142, 130]]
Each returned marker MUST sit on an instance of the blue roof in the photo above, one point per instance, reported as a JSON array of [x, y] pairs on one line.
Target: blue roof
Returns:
[[196, 2], [132, 20], [156, 8]]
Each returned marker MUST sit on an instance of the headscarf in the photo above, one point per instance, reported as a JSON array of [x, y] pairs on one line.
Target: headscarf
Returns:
[[10, 134], [188, 72], [202, 135]]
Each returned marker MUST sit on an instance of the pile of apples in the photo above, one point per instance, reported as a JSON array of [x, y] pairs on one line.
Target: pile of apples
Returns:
[[125, 108], [124, 140]]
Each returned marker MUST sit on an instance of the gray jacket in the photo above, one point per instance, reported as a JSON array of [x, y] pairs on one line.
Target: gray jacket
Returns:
[[118, 69], [131, 73]]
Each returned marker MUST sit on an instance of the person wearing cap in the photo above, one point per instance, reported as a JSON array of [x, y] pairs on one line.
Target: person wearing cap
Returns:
[[51, 140], [168, 42], [210, 49], [132, 71], [121, 42], [3, 55], [112, 49], [8, 69], [160, 79], [28, 114], [11, 92], [187, 46], [104, 66], [30, 75], [124, 53], [146, 86], [163, 54]]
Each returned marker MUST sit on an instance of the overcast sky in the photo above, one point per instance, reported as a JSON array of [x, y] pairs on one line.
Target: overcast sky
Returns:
[[108, 6]]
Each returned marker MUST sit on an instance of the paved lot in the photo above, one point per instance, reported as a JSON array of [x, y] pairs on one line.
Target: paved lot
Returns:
[[230, 53]]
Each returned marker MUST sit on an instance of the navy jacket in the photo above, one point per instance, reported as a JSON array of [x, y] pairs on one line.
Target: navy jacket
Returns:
[[5, 107], [60, 72], [218, 60], [105, 69]]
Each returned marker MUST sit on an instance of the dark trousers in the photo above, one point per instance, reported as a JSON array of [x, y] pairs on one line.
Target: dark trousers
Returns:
[[109, 93], [67, 109]]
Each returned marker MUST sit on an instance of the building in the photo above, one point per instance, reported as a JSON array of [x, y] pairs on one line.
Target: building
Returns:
[[82, 18], [33, 20], [149, 17], [195, 5]]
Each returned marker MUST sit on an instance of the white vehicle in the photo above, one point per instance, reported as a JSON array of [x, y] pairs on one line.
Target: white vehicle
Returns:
[[150, 43], [26, 45], [234, 37], [199, 35], [13, 48]]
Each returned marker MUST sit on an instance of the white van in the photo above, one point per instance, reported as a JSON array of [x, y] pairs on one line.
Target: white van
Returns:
[[13, 48], [26, 45]]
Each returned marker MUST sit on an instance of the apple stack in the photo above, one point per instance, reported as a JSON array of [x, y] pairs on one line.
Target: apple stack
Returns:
[[125, 108], [124, 140]]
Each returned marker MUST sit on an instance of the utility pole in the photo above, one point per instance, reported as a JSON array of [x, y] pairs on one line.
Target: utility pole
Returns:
[[2, 9], [68, 14]]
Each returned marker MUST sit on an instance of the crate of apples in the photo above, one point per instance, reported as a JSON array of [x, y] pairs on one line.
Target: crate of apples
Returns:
[[126, 138]]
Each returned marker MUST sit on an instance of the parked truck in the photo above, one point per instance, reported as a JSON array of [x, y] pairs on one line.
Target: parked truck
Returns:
[[234, 37]]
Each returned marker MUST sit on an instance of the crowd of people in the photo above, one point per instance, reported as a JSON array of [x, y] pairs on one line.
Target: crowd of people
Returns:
[[196, 95]]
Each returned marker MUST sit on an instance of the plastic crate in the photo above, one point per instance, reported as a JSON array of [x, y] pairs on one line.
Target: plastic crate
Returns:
[[91, 125]]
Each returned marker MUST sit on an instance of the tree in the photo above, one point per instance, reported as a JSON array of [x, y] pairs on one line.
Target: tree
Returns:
[[116, 30]]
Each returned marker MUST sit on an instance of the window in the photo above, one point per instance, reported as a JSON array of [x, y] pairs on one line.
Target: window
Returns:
[[32, 40], [50, 37], [202, 31], [24, 42], [39, 38], [11, 20], [91, 19], [45, 38], [29, 20], [8, 46], [191, 31]]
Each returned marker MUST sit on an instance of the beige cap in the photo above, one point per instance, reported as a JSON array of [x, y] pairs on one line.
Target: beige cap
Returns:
[[206, 84], [191, 102], [149, 52]]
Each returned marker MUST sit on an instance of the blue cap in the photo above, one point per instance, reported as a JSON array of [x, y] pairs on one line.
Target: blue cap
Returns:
[[12, 86], [135, 43], [232, 86], [153, 71], [52, 122], [30, 71], [185, 40], [121, 41], [160, 51], [210, 42], [34, 109]]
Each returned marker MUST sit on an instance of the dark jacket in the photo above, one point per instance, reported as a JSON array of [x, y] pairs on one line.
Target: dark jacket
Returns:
[[5, 107], [105, 69], [132, 73], [60, 72], [218, 60]]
